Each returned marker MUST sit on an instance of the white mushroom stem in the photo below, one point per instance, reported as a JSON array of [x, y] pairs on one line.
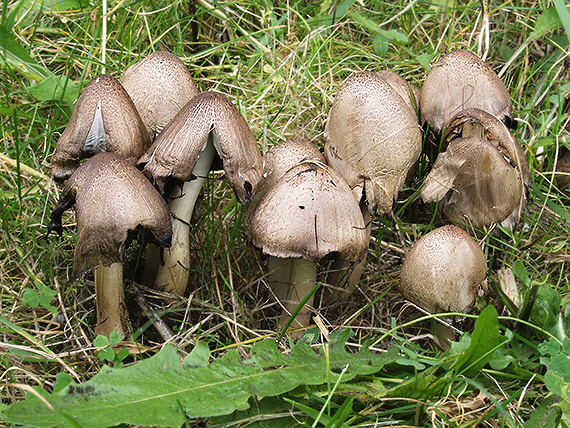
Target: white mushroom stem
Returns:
[[110, 296], [302, 281], [173, 275]]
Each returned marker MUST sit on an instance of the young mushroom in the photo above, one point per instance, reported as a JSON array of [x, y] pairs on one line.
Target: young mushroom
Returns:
[[104, 119], [309, 214], [159, 85], [277, 161], [184, 152], [113, 202], [460, 80], [443, 270], [483, 175]]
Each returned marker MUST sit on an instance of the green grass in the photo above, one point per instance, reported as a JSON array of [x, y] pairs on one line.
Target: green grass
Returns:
[[281, 64]]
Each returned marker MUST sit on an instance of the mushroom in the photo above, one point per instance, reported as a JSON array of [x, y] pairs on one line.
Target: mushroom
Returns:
[[159, 85], [372, 139], [309, 214], [409, 93], [443, 270], [104, 119], [460, 80], [483, 175], [113, 202], [277, 161], [183, 152]]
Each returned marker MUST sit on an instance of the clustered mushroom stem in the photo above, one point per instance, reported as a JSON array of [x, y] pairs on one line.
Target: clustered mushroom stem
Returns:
[[173, 275], [302, 281], [110, 296]]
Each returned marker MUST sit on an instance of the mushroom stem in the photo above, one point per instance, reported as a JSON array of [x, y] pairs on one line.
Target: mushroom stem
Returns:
[[173, 275], [279, 276], [110, 296], [302, 281]]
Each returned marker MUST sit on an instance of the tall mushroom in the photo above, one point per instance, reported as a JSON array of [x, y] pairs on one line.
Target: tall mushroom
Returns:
[[183, 152], [310, 213], [113, 201], [443, 270], [458, 81], [159, 85], [104, 119], [482, 176]]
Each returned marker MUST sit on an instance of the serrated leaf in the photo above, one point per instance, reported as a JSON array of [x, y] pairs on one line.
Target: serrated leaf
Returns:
[[548, 21], [162, 391]]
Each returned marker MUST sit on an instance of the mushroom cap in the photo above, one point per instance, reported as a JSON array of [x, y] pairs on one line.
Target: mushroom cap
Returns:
[[159, 85], [372, 139], [309, 213], [112, 199], [475, 122], [104, 119], [176, 150], [460, 80], [476, 183], [563, 170], [403, 88], [443, 270]]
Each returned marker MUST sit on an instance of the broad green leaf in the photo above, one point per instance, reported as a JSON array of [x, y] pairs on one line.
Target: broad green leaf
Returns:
[[394, 36], [485, 339], [548, 21], [48, 86], [162, 391], [546, 415]]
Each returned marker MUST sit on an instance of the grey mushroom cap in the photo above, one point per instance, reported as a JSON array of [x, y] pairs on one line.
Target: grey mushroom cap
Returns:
[[479, 123], [103, 119], [372, 138], [309, 213], [443, 271], [277, 161], [159, 85], [112, 199], [475, 183], [458, 81], [176, 150]]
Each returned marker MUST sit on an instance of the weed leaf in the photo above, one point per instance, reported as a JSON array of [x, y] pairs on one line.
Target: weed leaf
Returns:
[[162, 391]]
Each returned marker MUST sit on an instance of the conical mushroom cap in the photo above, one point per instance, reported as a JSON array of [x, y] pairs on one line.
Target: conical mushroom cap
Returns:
[[159, 85], [372, 139], [176, 150], [104, 119], [309, 213], [443, 270], [111, 198], [475, 183], [403, 88], [475, 122], [458, 81]]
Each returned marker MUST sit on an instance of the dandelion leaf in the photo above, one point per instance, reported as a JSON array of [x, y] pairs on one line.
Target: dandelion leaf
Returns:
[[163, 391]]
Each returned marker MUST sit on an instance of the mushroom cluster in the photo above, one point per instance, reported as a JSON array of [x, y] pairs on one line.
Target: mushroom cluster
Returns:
[[113, 125], [303, 207]]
